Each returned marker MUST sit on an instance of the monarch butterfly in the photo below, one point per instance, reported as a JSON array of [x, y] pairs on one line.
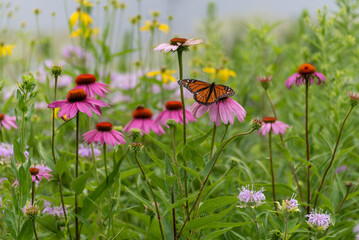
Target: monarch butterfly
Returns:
[[206, 93]]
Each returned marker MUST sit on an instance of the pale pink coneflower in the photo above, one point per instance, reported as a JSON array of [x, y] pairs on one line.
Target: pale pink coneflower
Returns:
[[177, 43], [104, 134], [88, 82], [224, 110], [271, 123], [305, 72], [77, 100], [38, 172], [142, 119], [174, 111], [7, 121]]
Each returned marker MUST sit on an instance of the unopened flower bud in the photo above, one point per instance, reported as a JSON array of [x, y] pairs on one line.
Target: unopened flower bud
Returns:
[[265, 81], [56, 70], [32, 211], [354, 98], [348, 184], [256, 124], [155, 14], [171, 123], [118, 128], [170, 17], [136, 147], [135, 133], [275, 235], [37, 11]]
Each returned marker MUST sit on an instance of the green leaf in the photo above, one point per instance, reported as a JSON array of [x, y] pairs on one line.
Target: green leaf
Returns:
[[24, 184], [26, 230], [79, 184], [19, 156], [212, 204], [61, 165], [161, 145], [141, 199], [88, 203], [198, 223], [216, 234]]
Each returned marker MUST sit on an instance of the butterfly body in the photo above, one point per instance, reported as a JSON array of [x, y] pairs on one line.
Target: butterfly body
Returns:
[[206, 93]]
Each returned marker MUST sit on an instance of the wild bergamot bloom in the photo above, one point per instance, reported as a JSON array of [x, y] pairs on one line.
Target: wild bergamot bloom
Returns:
[[223, 74], [6, 49], [289, 205], [305, 72], [151, 26], [81, 16], [165, 74], [251, 198], [318, 220]]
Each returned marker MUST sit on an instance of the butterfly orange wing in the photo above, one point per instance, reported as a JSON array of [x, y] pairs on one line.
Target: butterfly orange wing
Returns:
[[193, 85], [205, 93]]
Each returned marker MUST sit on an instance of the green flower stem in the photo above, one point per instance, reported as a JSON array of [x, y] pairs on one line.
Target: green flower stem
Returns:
[[173, 133], [281, 138], [271, 168], [333, 156], [180, 67], [173, 214], [34, 227], [207, 177], [153, 196], [307, 140], [105, 160], [256, 223], [286, 228], [77, 174], [59, 180], [213, 138]]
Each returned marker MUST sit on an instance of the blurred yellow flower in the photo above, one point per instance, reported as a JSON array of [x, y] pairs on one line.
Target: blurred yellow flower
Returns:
[[88, 32], [6, 49], [80, 16], [165, 74], [85, 3], [150, 26], [222, 73], [57, 110]]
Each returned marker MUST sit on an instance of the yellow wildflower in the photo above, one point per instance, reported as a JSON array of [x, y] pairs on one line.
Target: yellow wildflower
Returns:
[[150, 26], [6, 49], [165, 74], [222, 73], [85, 3], [57, 110], [88, 32], [82, 16]]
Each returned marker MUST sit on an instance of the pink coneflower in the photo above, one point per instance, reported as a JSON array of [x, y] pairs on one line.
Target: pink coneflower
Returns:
[[251, 198], [77, 100], [104, 134], [38, 172], [88, 83], [224, 110], [142, 119], [271, 123], [318, 220], [174, 111], [7, 121], [176, 43], [305, 72]]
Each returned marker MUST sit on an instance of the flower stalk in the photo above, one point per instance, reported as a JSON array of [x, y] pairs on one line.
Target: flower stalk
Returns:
[[153, 195], [333, 155], [77, 174], [208, 174], [307, 139], [271, 168]]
